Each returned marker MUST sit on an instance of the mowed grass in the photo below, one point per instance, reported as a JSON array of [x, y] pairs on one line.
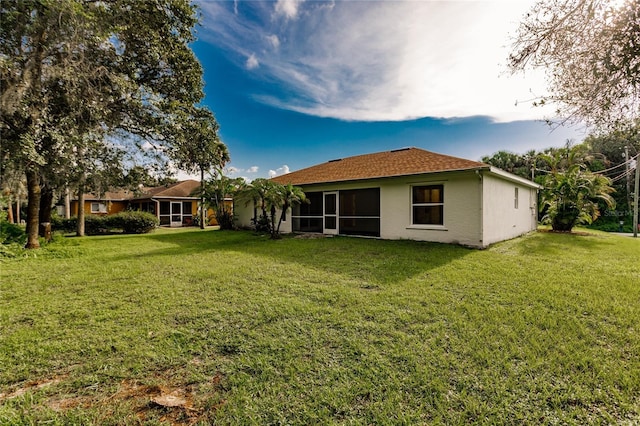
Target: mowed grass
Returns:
[[543, 329]]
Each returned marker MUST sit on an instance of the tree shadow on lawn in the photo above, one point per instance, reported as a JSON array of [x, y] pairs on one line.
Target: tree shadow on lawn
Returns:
[[377, 261]]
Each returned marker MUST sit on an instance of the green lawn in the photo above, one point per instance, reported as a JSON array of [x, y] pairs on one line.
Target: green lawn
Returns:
[[239, 329]]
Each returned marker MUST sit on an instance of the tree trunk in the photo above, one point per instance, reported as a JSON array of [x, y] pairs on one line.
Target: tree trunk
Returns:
[[203, 209], [18, 218], [33, 208], [283, 216], [67, 203], [10, 217], [274, 232], [80, 224], [46, 204]]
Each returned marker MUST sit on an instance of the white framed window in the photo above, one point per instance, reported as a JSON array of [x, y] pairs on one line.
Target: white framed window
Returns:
[[515, 199], [98, 208], [427, 205]]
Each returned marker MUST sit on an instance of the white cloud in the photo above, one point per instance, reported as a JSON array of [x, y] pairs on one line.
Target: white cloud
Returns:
[[252, 62], [232, 171], [381, 60], [279, 171], [287, 8]]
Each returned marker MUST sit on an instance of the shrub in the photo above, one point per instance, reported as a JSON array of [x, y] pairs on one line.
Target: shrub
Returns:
[[96, 225], [225, 219], [135, 222], [10, 233], [131, 222], [611, 226], [261, 224], [114, 222], [12, 238], [63, 225]]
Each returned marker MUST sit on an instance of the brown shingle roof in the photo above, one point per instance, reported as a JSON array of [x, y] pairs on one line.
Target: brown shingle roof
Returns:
[[179, 189], [116, 195], [400, 162], [175, 190]]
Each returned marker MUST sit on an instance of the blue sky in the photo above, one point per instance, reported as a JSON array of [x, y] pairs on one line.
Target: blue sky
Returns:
[[297, 83]]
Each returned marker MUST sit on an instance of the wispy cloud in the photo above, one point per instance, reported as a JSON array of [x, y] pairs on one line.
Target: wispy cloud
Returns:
[[273, 40], [378, 60], [235, 171]]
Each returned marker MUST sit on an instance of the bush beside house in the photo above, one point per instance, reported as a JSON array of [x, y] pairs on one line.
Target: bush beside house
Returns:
[[128, 222]]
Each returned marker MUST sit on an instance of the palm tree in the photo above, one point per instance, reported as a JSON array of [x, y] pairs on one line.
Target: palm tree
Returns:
[[571, 197], [271, 196], [216, 190], [291, 196], [258, 192]]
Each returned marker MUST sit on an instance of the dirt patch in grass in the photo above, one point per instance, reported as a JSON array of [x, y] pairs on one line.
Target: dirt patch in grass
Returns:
[[171, 403], [64, 404], [31, 386]]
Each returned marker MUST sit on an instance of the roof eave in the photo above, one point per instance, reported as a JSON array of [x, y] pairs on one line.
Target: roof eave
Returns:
[[465, 169], [514, 178]]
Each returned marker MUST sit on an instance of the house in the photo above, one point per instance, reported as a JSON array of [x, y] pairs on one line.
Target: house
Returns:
[[174, 205], [412, 194]]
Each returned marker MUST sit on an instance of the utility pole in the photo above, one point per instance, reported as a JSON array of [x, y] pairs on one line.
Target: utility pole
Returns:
[[627, 168], [635, 198]]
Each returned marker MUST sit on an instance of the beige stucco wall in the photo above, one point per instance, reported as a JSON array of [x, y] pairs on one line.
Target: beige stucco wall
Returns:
[[285, 226], [243, 213], [502, 220], [461, 209]]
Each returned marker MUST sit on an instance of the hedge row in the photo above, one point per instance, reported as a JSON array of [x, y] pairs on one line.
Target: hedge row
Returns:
[[132, 222]]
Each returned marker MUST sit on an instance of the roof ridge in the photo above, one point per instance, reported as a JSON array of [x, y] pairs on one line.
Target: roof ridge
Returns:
[[397, 162]]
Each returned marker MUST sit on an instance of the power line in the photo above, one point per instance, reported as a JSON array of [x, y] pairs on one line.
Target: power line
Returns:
[[615, 167], [623, 175]]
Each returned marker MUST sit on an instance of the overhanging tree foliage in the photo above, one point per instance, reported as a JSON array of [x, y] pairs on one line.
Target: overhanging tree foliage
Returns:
[[591, 52], [198, 147], [75, 71]]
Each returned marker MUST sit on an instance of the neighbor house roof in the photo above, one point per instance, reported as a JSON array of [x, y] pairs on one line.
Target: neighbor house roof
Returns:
[[399, 162], [117, 195], [182, 189]]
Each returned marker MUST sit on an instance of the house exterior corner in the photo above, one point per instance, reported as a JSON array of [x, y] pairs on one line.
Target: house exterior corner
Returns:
[[510, 207]]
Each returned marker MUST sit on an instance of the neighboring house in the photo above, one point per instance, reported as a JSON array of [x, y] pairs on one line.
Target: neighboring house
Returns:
[[412, 194], [172, 204]]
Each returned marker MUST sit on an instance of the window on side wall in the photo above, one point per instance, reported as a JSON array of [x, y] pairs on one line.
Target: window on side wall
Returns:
[[515, 199], [98, 208], [427, 205]]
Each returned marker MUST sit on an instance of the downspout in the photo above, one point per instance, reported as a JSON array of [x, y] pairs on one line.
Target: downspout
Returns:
[[481, 200]]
